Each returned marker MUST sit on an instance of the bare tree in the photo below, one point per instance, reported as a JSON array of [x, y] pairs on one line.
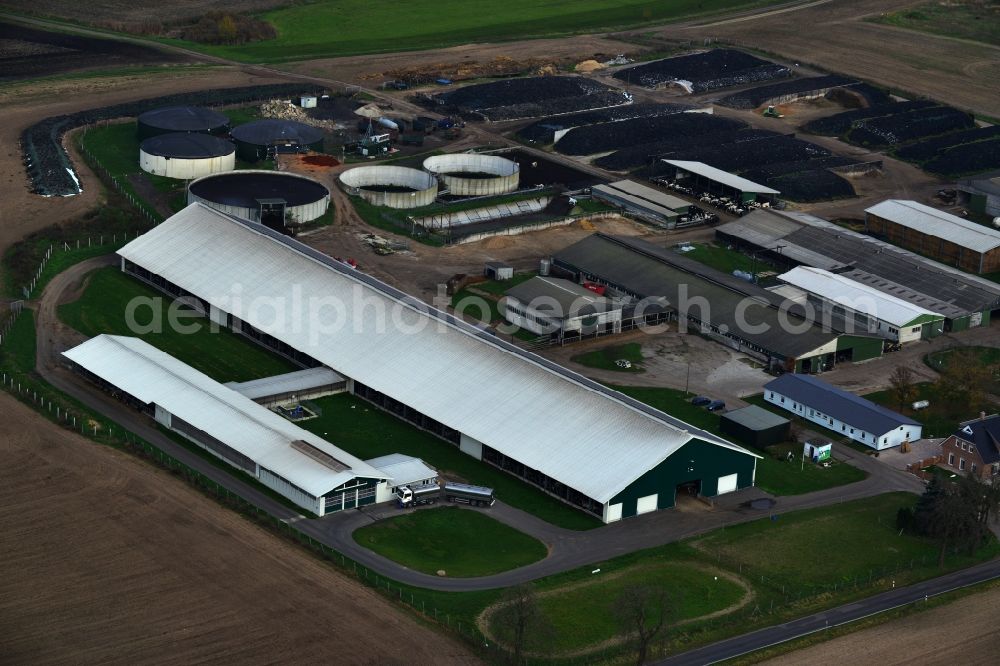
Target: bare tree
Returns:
[[642, 611], [902, 382], [520, 622]]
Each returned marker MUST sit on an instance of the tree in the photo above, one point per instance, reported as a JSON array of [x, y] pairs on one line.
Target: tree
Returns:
[[520, 622], [950, 514], [901, 381], [642, 611], [226, 28]]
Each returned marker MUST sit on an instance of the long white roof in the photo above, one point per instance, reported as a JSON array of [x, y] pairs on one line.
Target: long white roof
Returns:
[[577, 431], [153, 376], [720, 176], [937, 223], [855, 295]]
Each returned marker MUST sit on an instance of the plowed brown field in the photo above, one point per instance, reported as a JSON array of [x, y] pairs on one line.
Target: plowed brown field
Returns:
[[105, 559]]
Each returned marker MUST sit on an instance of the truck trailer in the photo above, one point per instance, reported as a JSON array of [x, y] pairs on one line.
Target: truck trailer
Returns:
[[463, 493]]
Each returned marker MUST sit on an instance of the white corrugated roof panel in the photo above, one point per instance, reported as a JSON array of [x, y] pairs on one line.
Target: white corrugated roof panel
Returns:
[[290, 382], [937, 223], [153, 376], [650, 194], [403, 469], [592, 439], [855, 295], [720, 176]]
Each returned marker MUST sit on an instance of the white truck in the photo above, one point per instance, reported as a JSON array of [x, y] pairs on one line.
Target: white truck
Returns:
[[407, 497]]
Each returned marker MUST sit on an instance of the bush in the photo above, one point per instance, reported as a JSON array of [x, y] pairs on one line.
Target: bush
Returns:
[[230, 29]]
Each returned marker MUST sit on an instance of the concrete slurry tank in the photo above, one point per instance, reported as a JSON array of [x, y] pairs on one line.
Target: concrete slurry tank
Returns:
[[261, 139], [472, 175], [186, 156], [391, 186], [274, 198], [170, 119]]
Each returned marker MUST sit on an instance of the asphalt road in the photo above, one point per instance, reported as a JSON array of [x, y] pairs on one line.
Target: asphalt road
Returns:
[[902, 596]]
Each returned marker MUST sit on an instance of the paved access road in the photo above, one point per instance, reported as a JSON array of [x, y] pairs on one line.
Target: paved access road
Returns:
[[902, 596], [568, 549]]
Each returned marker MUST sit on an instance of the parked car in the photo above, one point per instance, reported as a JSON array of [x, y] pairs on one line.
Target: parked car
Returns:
[[700, 400], [716, 405]]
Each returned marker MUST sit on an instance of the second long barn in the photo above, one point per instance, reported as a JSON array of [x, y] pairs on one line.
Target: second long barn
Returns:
[[575, 439]]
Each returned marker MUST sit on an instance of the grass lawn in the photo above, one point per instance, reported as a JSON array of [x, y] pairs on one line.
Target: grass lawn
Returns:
[[780, 477], [222, 355], [604, 359], [584, 614], [724, 259], [941, 418], [817, 547], [363, 27], [367, 432], [775, 476], [461, 542], [978, 20], [499, 287]]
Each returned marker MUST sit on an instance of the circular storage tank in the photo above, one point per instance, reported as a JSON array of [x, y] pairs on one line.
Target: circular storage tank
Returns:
[[391, 186], [471, 175], [181, 119], [262, 138], [274, 198], [186, 156]]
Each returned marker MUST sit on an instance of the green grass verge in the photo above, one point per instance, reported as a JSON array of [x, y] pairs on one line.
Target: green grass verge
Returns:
[[604, 359], [367, 432], [222, 355], [17, 353], [585, 614], [864, 623], [774, 475], [461, 542], [363, 27], [975, 20]]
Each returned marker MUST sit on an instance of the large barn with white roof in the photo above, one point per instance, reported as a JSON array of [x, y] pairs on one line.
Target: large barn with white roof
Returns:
[[577, 440]]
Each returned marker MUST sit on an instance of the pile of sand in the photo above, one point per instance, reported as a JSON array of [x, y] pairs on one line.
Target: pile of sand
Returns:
[[588, 66], [498, 243]]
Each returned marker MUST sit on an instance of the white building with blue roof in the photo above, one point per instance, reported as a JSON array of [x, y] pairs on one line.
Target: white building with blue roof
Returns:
[[850, 415]]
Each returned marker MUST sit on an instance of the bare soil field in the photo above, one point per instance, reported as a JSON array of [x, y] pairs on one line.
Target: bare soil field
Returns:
[[107, 560], [963, 632], [24, 104], [26, 53], [836, 36]]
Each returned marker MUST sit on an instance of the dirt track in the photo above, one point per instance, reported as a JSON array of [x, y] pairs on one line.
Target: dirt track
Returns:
[[963, 632], [107, 560]]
